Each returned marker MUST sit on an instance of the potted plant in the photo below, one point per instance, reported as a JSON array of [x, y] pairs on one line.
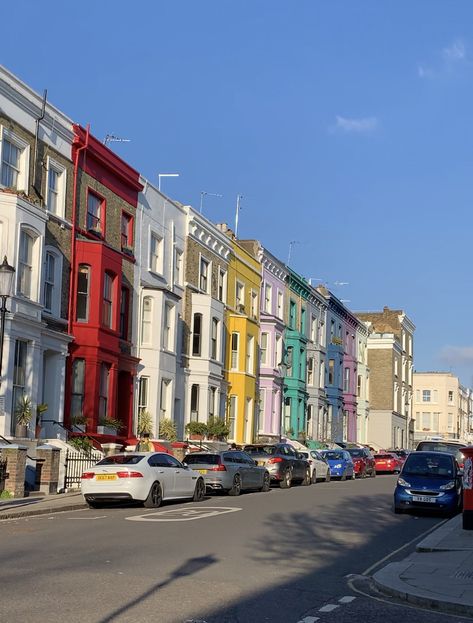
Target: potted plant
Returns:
[[196, 430], [108, 426], [79, 422], [217, 428], [145, 423], [24, 414], [167, 430], [40, 409]]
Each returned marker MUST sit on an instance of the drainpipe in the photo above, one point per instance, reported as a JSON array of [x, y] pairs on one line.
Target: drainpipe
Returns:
[[36, 140], [71, 307]]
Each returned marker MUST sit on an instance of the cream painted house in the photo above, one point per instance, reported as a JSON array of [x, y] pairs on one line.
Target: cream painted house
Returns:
[[442, 406]]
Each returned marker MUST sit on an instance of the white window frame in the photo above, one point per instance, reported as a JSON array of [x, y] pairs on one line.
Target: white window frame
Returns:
[[280, 303], [222, 285], [239, 301], [250, 354], [264, 343], [22, 181], [156, 259], [268, 298], [214, 332], [168, 327], [232, 415], [32, 295], [178, 266], [203, 261], [56, 284], [61, 173], [165, 399], [234, 353], [254, 303], [147, 320]]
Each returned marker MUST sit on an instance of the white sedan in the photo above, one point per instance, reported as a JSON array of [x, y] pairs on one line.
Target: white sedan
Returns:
[[147, 477], [319, 468]]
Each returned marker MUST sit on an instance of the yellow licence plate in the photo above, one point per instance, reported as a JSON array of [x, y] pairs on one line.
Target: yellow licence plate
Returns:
[[260, 462], [105, 477], [202, 471]]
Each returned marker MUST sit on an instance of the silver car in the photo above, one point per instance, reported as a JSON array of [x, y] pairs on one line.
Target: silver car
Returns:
[[232, 471]]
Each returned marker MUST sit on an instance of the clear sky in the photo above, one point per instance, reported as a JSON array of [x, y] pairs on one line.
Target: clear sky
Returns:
[[346, 126]]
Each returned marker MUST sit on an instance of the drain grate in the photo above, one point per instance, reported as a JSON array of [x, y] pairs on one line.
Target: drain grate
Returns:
[[463, 575]]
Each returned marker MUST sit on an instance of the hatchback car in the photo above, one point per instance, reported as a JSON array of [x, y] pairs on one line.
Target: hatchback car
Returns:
[[284, 464], [147, 477], [340, 462], [232, 471], [319, 468], [429, 480], [363, 462], [452, 447], [387, 463]]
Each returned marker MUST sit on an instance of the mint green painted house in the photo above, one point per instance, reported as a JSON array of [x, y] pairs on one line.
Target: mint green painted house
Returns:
[[295, 387]]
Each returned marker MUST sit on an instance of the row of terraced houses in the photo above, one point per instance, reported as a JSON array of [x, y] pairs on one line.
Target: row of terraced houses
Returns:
[[126, 301]]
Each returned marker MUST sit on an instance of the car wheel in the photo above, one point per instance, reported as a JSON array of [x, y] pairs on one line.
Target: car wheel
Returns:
[[199, 492], [307, 480], [327, 477], [236, 488], [343, 476], [373, 473], [286, 480], [353, 476], [314, 477], [363, 474], [155, 496], [266, 483]]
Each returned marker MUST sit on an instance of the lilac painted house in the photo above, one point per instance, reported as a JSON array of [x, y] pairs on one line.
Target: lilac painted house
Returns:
[[272, 326]]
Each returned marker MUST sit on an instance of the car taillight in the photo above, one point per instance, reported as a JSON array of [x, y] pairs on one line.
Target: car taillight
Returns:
[[129, 474], [276, 459], [218, 468], [87, 475]]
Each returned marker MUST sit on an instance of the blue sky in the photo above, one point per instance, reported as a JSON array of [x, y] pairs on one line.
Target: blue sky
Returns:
[[346, 126]]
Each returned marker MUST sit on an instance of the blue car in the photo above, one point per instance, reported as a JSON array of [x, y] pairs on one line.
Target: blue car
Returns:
[[429, 481], [340, 463]]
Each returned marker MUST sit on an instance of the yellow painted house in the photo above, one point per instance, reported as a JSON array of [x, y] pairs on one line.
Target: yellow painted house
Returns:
[[242, 339]]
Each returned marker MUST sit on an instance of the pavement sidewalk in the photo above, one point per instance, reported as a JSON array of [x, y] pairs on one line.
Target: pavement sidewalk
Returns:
[[439, 575], [36, 504]]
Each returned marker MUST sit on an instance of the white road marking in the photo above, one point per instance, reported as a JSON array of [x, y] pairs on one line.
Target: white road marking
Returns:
[[87, 518], [329, 608], [185, 514], [308, 620], [346, 600]]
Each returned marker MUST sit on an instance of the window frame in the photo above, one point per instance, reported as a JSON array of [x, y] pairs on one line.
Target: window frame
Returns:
[[108, 288], [61, 173], [126, 231], [85, 295], [146, 320], [156, 253], [95, 224], [22, 180], [204, 275]]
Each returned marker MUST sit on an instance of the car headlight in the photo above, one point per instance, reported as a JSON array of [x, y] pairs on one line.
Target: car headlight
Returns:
[[448, 485], [337, 466], [402, 482]]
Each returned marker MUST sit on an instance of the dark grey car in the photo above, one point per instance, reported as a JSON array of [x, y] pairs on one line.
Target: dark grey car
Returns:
[[232, 471], [284, 463]]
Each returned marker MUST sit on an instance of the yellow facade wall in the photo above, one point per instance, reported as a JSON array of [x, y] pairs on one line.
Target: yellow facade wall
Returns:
[[242, 364]]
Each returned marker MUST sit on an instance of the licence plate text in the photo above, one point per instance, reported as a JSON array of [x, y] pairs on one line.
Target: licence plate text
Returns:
[[105, 477], [202, 471], [423, 498]]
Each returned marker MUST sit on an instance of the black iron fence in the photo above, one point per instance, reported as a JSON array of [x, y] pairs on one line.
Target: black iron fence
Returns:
[[77, 463], [3, 473]]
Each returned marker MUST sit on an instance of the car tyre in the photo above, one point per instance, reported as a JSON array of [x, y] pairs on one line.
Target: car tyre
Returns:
[[327, 477], [343, 476], [92, 504], [266, 483], [155, 496], [353, 476], [286, 480], [199, 491], [307, 479], [314, 477], [373, 473], [236, 488]]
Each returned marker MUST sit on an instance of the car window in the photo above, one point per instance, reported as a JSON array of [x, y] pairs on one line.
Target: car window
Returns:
[[209, 459], [163, 460], [333, 456], [383, 457], [441, 446], [228, 457], [428, 465], [245, 458], [121, 459], [356, 452]]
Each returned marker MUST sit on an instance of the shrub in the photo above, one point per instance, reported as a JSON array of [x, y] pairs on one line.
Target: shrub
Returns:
[[82, 444], [110, 422], [167, 430], [216, 427], [196, 428], [145, 423]]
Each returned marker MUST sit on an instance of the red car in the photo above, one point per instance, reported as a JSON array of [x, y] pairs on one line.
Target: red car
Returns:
[[386, 462], [363, 462]]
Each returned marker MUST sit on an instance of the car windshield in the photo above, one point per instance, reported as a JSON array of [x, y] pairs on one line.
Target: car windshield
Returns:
[[354, 452], [383, 457], [428, 465], [333, 456], [260, 449], [442, 446], [121, 459], [208, 459]]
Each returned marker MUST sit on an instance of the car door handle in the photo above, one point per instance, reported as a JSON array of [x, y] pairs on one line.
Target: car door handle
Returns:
[[178, 471]]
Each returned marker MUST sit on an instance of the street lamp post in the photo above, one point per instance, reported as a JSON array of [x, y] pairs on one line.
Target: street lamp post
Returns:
[[7, 273]]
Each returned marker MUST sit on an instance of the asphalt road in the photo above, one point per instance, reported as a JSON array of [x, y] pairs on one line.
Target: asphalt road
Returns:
[[282, 556]]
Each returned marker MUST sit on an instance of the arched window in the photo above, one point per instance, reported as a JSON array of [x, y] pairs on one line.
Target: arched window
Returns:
[[146, 314], [83, 293], [27, 264]]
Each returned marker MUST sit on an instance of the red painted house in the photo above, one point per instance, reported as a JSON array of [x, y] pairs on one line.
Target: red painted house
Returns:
[[101, 366]]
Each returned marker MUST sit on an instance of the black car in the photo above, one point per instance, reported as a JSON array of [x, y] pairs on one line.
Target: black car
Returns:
[[284, 464]]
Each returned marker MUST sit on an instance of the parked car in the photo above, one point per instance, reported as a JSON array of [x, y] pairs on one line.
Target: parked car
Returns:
[[147, 477], [452, 447], [387, 463], [401, 455], [319, 468], [284, 464], [429, 480], [340, 462], [232, 471], [363, 461]]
